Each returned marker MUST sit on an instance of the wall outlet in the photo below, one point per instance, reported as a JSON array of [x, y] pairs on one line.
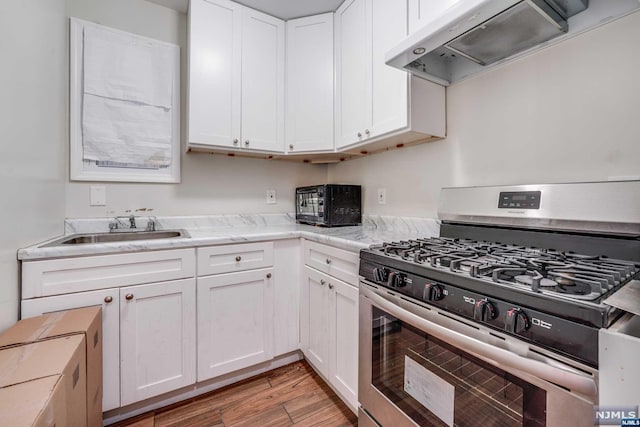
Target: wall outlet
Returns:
[[382, 196], [98, 195], [271, 197]]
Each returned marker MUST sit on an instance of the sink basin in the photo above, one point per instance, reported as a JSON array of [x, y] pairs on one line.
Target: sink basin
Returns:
[[81, 239]]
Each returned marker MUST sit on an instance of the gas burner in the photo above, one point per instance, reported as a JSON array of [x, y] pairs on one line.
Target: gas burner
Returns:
[[529, 280], [542, 271]]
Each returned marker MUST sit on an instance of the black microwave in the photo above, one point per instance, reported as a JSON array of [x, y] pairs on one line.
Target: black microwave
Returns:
[[329, 205]]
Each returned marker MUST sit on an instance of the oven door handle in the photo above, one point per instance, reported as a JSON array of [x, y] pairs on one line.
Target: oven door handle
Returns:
[[503, 359]]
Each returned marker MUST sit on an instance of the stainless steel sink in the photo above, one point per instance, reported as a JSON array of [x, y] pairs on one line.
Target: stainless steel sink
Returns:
[[114, 237]]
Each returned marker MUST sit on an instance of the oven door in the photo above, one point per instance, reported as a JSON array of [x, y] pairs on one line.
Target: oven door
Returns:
[[420, 366]]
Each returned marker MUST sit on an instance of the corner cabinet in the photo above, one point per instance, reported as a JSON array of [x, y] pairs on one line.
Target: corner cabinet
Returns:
[[236, 78], [310, 97], [375, 102]]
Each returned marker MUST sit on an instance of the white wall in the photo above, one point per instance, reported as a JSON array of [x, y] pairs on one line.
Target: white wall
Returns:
[[210, 184], [33, 134], [568, 113]]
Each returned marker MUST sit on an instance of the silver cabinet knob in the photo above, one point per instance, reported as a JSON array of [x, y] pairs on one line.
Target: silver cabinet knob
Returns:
[[268, 275], [290, 146], [330, 286], [235, 141], [359, 135], [246, 143], [128, 297], [322, 282], [108, 299], [328, 261], [238, 258], [367, 132]]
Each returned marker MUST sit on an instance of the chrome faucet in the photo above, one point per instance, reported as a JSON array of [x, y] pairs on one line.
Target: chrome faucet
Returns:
[[115, 225], [151, 224]]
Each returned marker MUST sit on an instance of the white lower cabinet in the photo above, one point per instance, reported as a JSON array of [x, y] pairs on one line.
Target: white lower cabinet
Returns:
[[235, 321], [329, 331], [314, 319], [110, 302], [244, 307], [343, 333], [157, 339]]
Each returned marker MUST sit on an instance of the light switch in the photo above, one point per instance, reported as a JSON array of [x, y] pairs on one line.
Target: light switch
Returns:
[[98, 195]]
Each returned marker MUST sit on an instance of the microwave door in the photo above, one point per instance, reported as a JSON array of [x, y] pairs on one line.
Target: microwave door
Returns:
[[308, 204]]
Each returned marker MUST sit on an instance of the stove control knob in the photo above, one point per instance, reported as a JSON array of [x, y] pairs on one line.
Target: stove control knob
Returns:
[[432, 292], [379, 274], [484, 310], [516, 321], [395, 280]]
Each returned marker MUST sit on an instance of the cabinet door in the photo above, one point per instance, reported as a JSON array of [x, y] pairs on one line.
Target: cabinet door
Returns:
[[214, 72], [262, 82], [343, 321], [353, 71], [310, 84], [421, 12], [389, 85], [235, 321], [108, 299], [157, 339], [315, 320]]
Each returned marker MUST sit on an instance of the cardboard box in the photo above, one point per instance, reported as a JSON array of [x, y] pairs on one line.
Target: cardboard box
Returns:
[[63, 356], [36, 403], [87, 321]]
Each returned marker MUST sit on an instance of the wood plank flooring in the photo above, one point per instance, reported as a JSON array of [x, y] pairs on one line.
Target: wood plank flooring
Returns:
[[290, 395]]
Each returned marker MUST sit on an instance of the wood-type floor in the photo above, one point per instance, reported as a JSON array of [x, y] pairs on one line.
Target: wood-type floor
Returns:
[[290, 395]]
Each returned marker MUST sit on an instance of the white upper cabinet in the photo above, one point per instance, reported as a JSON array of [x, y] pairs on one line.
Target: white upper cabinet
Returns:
[[389, 85], [377, 105], [236, 77], [309, 87], [262, 81], [353, 71], [214, 72], [422, 12]]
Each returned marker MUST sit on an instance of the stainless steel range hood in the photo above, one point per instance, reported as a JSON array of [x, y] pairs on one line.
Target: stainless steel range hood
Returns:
[[473, 35]]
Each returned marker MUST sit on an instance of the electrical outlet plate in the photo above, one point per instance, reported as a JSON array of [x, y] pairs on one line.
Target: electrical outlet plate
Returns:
[[382, 196], [98, 196], [271, 197]]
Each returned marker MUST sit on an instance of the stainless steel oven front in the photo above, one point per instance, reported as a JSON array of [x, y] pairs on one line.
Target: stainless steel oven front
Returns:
[[422, 366]]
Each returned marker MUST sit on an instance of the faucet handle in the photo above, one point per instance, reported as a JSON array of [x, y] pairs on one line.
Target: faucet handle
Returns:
[[151, 225]]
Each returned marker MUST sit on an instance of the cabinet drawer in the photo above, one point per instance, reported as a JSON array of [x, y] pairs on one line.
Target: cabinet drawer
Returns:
[[231, 258], [63, 276], [335, 262]]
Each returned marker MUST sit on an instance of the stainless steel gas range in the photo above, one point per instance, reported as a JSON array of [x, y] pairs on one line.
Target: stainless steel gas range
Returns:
[[496, 321]]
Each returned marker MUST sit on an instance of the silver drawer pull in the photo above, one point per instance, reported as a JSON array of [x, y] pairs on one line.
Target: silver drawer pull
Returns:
[[322, 282], [108, 299], [128, 297], [328, 261], [238, 258], [268, 275], [330, 286]]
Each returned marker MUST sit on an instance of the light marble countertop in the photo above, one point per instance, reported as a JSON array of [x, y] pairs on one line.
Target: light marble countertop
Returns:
[[226, 229]]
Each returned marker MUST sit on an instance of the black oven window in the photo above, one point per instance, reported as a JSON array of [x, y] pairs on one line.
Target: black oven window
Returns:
[[438, 385]]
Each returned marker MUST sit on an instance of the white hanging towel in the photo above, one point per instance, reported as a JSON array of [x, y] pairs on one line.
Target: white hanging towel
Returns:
[[127, 99]]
